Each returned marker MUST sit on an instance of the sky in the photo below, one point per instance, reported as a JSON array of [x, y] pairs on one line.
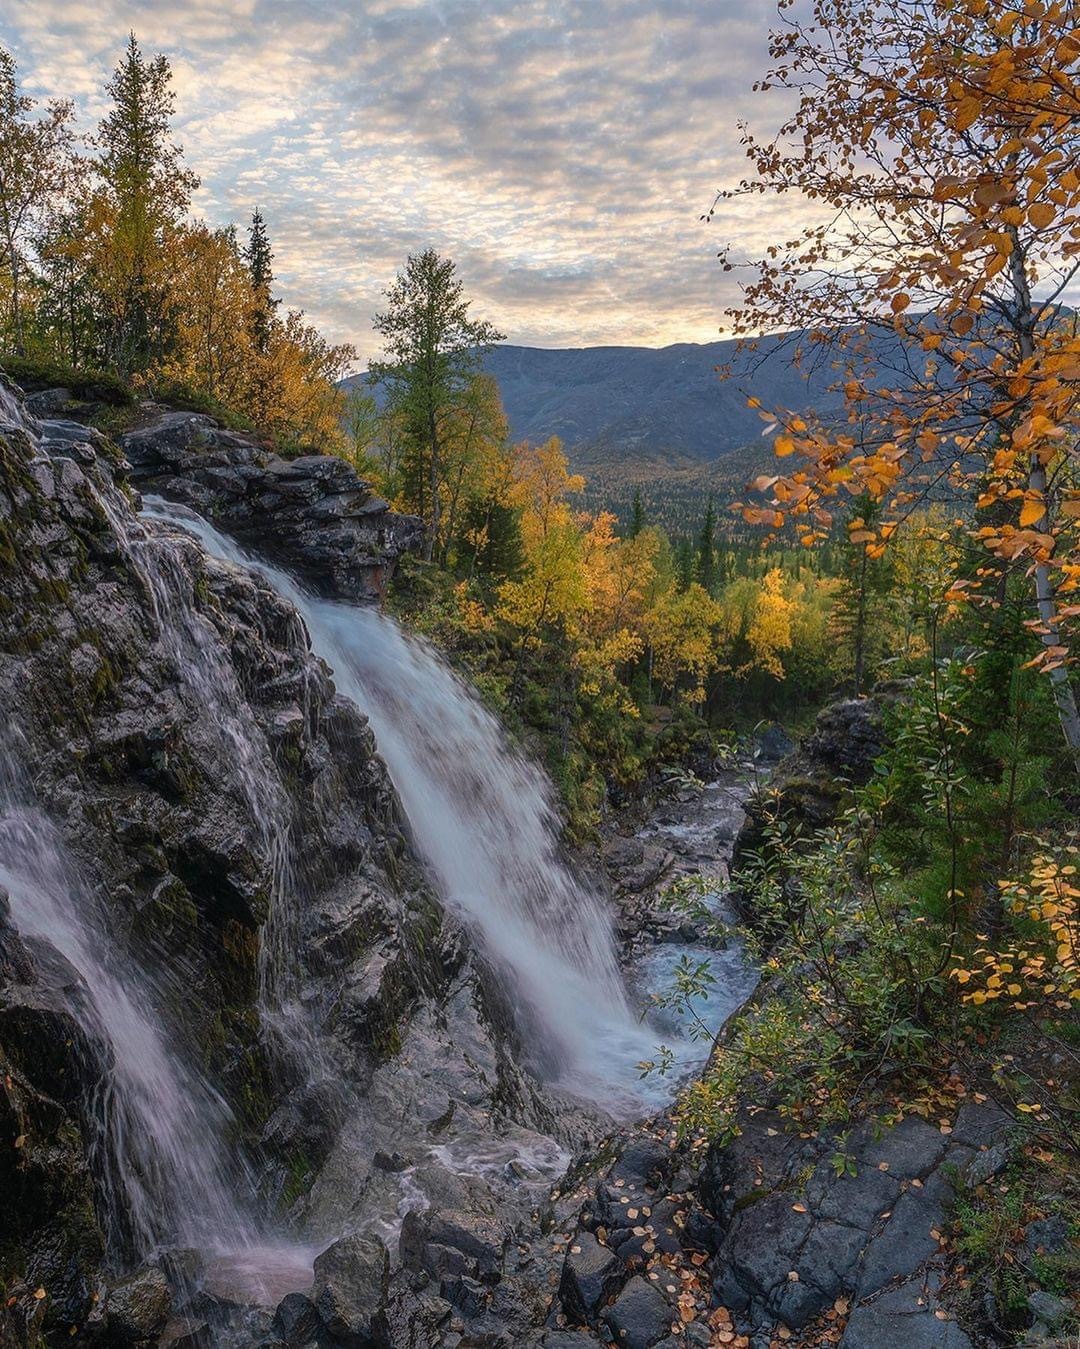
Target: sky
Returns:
[[562, 152]]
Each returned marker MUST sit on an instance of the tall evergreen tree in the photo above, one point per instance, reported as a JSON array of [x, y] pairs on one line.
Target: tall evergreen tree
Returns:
[[637, 515], [432, 349], [864, 581], [260, 260], [685, 562], [147, 190], [706, 549]]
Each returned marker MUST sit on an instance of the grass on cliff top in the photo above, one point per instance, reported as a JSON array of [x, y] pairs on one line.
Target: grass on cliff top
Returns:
[[35, 374]]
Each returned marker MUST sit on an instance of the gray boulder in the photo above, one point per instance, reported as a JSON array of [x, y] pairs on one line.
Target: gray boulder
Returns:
[[590, 1273], [138, 1309], [640, 1316], [350, 1289]]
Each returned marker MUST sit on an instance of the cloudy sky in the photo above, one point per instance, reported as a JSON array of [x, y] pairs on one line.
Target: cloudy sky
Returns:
[[561, 151]]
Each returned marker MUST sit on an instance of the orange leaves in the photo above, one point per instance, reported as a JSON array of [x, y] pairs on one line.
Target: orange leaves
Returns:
[[1032, 511], [975, 206], [1044, 970], [967, 112]]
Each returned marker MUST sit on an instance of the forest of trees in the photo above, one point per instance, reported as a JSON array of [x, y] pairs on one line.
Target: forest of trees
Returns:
[[103, 270], [616, 641]]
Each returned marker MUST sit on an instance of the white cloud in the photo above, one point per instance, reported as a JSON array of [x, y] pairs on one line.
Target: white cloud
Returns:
[[562, 151]]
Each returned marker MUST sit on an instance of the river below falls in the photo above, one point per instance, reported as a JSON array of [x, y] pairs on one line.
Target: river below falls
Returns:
[[696, 829]]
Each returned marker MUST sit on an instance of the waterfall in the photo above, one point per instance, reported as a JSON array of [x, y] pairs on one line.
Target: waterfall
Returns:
[[159, 1149], [483, 819]]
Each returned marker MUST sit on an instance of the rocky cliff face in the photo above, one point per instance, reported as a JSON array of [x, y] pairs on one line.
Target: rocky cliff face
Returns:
[[228, 817], [314, 515]]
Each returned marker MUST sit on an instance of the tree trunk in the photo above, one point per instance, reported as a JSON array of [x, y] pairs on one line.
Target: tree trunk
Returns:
[[16, 304], [1061, 684], [432, 540]]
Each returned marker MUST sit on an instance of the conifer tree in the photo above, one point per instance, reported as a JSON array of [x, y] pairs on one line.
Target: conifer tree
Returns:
[[864, 581], [147, 191], [685, 562], [432, 349], [637, 515], [706, 549], [260, 260]]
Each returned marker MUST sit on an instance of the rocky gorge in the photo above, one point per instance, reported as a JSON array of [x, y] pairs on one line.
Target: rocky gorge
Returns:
[[285, 1060]]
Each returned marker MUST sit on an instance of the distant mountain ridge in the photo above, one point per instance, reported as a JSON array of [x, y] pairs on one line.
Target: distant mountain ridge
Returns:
[[649, 404]]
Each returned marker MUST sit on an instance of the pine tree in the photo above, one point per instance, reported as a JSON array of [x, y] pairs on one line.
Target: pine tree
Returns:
[[260, 259], [706, 549], [637, 515], [864, 580], [432, 349], [147, 192]]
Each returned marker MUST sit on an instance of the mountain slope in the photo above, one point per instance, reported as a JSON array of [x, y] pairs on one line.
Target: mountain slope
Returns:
[[613, 403], [666, 406]]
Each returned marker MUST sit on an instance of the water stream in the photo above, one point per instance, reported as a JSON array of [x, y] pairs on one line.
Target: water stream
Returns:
[[159, 1146], [484, 821]]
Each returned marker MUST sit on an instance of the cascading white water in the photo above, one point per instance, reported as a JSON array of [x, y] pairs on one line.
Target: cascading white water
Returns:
[[483, 818], [160, 1150], [207, 677], [162, 1156]]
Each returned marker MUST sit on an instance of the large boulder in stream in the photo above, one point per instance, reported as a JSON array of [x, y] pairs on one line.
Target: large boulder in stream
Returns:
[[808, 786], [313, 514], [350, 1291]]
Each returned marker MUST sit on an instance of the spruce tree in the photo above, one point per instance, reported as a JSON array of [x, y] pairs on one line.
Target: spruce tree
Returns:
[[432, 350], [706, 549], [637, 515], [260, 260], [148, 190], [864, 581]]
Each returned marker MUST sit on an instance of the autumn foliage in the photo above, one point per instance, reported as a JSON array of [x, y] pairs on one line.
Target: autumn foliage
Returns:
[[103, 267], [937, 147]]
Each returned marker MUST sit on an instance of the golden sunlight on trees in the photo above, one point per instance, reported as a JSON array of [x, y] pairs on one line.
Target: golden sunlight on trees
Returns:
[[941, 145], [101, 266]]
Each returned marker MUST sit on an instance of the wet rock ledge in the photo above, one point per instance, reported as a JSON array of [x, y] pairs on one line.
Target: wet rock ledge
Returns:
[[314, 515]]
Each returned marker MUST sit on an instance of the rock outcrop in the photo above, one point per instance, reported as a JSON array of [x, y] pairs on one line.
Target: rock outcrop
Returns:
[[227, 815], [809, 1225], [313, 514], [808, 785]]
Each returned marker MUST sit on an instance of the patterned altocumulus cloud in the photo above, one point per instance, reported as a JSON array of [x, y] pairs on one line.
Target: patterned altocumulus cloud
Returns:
[[561, 151]]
